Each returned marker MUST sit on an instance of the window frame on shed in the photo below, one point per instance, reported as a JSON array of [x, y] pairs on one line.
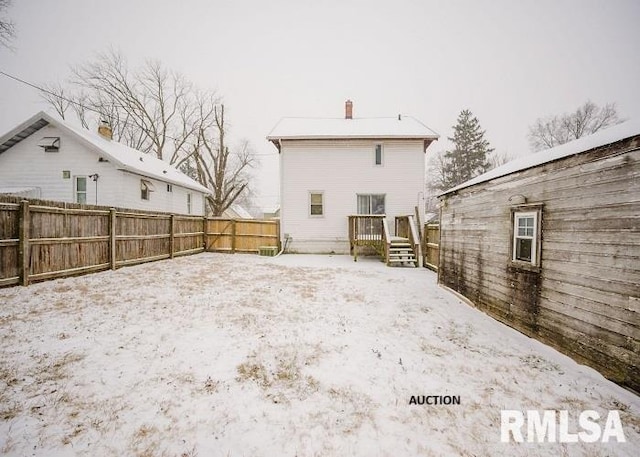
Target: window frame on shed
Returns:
[[521, 233]]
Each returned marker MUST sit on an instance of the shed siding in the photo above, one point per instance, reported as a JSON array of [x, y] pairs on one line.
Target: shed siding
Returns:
[[27, 165], [341, 169], [585, 298]]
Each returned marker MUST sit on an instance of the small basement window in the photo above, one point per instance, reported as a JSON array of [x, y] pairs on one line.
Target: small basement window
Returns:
[[316, 204], [526, 236], [50, 143]]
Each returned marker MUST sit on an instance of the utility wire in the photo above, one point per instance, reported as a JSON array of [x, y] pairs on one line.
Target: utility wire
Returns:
[[88, 108]]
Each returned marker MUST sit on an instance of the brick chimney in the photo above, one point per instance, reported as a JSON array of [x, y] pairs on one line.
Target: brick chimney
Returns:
[[104, 129], [348, 109]]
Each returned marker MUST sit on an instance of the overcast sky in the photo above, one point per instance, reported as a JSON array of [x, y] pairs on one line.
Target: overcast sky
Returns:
[[509, 62]]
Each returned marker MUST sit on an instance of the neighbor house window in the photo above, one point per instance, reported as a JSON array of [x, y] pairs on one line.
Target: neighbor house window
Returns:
[[371, 204], [145, 189], [188, 203], [169, 188], [526, 237], [378, 154], [316, 203], [81, 189]]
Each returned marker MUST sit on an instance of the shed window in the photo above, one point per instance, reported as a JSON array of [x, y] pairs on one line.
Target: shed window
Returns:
[[188, 203], [316, 203], [81, 189], [378, 155], [371, 204], [525, 237]]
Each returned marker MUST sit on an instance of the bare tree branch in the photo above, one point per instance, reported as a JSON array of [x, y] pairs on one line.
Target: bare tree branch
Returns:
[[159, 111], [55, 95], [587, 119], [7, 27]]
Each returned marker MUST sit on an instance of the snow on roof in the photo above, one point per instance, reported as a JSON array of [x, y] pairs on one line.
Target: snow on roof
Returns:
[[602, 138], [379, 127], [241, 211], [123, 157]]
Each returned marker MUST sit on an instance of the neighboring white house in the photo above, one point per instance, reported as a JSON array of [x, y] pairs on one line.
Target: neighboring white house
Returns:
[[47, 158], [333, 168]]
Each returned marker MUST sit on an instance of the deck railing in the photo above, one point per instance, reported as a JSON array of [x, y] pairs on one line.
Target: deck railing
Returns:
[[369, 230]]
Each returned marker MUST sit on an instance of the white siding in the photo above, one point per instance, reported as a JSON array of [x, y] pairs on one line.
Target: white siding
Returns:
[[342, 169], [159, 199], [27, 165]]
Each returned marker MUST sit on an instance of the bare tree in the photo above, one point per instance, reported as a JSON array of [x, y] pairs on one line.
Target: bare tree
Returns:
[[222, 170], [7, 27], [496, 159], [54, 94], [159, 111], [438, 167], [559, 129]]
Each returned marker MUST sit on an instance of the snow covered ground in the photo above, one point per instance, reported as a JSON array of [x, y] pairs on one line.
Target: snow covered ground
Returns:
[[240, 355]]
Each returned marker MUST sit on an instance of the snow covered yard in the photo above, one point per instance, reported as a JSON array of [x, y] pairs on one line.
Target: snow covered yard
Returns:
[[238, 355]]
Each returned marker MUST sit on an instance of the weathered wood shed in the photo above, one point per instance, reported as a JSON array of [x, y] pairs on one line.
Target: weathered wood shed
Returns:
[[550, 245]]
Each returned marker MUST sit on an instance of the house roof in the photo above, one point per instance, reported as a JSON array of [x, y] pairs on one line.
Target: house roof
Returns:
[[613, 134], [239, 211], [401, 127], [121, 156]]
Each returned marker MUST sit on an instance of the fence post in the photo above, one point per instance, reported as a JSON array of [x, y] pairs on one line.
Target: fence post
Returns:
[[172, 235], [112, 238], [24, 254], [233, 236], [204, 232]]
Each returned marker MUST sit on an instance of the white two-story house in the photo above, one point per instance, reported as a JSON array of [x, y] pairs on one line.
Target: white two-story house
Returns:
[[331, 169], [51, 159]]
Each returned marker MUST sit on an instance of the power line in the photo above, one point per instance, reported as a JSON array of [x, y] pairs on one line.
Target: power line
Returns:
[[88, 108]]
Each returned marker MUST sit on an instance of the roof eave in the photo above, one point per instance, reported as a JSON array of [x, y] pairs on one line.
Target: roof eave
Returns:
[[273, 139]]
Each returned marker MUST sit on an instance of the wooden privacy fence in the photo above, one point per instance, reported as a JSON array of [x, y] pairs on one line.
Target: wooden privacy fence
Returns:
[[431, 246], [241, 235], [46, 240]]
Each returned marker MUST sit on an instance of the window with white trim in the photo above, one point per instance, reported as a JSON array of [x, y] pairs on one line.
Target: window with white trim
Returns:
[[316, 204], [377, 156], [525, 237], [81, 189], [371, 204], [145, 189]]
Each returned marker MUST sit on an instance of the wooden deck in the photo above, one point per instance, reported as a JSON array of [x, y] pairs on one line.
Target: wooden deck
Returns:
[[371, 231]]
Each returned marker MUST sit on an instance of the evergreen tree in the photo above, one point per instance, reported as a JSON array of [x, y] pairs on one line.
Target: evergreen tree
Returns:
[[469, 157]]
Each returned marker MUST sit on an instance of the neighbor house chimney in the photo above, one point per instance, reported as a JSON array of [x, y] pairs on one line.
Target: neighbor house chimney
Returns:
[[104, 129], [348, 109]]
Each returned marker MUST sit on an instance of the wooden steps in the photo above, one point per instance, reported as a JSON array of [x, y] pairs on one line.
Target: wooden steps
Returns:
[[401, 253]]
